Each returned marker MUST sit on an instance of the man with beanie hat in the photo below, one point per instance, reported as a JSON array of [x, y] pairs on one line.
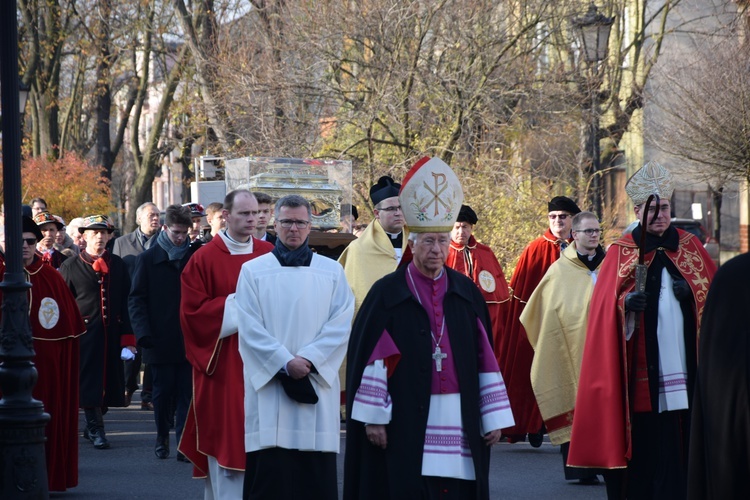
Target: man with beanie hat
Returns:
[[513, 350], [477, 261], [633, 408]]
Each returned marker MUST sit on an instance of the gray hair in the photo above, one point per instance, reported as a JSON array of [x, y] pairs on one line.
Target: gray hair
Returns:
[[293, 201], [139, 210]]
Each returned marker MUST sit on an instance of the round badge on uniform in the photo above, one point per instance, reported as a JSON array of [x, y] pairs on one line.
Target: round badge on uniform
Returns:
[[487, 281], [49, 313]]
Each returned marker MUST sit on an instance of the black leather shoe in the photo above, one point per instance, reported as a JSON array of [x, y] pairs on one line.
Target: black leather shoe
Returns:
[[536, 439], [162, 450], [589, 481], [182, 458]]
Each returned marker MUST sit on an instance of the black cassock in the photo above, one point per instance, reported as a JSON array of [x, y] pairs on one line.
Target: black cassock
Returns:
[[396, 472]]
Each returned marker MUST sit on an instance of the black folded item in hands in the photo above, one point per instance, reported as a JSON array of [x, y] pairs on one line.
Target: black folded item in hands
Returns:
[[300, 390]]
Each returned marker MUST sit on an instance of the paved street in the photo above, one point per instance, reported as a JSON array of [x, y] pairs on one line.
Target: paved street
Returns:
[[129, 469]]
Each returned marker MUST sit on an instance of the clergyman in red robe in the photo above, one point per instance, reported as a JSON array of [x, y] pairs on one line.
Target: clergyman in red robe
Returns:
[[513, 350]]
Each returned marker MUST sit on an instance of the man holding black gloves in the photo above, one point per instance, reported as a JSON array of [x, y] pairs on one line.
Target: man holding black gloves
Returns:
[[154, 305], [632, 412]]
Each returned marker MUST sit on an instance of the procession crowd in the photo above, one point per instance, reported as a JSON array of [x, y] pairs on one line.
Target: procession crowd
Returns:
[[632, 359]]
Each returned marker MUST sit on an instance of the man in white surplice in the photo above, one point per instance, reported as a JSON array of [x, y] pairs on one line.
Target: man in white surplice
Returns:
[[295, 310]]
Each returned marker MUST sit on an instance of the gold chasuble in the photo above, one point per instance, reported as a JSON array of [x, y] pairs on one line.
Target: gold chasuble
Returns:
[[555, 322], [369, 258]]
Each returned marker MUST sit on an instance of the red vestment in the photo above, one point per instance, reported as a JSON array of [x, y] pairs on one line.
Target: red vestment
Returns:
[[215, 423], [513, 350], [488, 276], [601, 425], [56, 325]]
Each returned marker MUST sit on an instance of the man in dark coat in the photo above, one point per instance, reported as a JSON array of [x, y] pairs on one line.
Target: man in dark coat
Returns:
[[128, 247], [424, 393], [719, 463], [155, 316], [100, 284]]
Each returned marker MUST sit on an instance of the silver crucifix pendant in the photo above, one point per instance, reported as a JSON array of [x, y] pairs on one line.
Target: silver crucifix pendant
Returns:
[[438, 356]]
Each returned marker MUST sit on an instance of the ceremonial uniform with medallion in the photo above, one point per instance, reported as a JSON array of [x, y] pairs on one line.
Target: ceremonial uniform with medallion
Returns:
[[101, 288], [478, 262], [420, 363], [100, 284], [56, 326], [633, 404]]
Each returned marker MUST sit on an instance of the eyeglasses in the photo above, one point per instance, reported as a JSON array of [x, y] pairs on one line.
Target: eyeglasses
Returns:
[[288, 223], [390, 209], [558, 216], [588, 232], [30, 241]]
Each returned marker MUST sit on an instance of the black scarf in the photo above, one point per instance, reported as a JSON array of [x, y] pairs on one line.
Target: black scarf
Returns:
[[302, 256]]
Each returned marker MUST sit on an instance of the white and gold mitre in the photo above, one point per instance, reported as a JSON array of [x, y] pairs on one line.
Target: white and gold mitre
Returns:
[[430, 197], [651, 179]]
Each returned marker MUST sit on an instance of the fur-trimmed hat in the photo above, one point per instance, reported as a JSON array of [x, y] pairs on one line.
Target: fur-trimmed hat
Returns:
[[466, 214], [46, 218], [29, 226], [563, 204], [96, 222]]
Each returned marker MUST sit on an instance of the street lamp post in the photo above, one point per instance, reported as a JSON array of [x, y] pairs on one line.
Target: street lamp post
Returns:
[[593, 32], [23, 471]]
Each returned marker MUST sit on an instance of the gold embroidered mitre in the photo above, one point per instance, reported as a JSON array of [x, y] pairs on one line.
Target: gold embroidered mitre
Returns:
[[431, 197], [651, 179]]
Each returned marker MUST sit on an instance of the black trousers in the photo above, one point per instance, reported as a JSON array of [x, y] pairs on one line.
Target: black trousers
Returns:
[[658, 469], [283, 474], [171, 381]]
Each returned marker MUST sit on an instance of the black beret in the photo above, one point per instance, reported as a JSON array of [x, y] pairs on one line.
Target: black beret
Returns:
[[385, 188], [563, 203], [466, 214], [29, 226]]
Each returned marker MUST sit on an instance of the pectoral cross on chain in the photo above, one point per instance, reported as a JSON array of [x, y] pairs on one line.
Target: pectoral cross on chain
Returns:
[[438, 356]]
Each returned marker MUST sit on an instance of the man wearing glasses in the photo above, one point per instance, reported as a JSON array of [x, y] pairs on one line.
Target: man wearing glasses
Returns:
[[378, 250], [513, 351], [56, 326], [208, 317], [294, 310], [555, 322], [154, 305]]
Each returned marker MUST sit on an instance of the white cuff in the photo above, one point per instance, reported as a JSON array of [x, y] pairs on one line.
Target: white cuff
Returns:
[[229, 323]]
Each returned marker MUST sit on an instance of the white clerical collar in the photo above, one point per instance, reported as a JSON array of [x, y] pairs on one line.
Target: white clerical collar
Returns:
[[236, 247], [590, 257], [393, 235]]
